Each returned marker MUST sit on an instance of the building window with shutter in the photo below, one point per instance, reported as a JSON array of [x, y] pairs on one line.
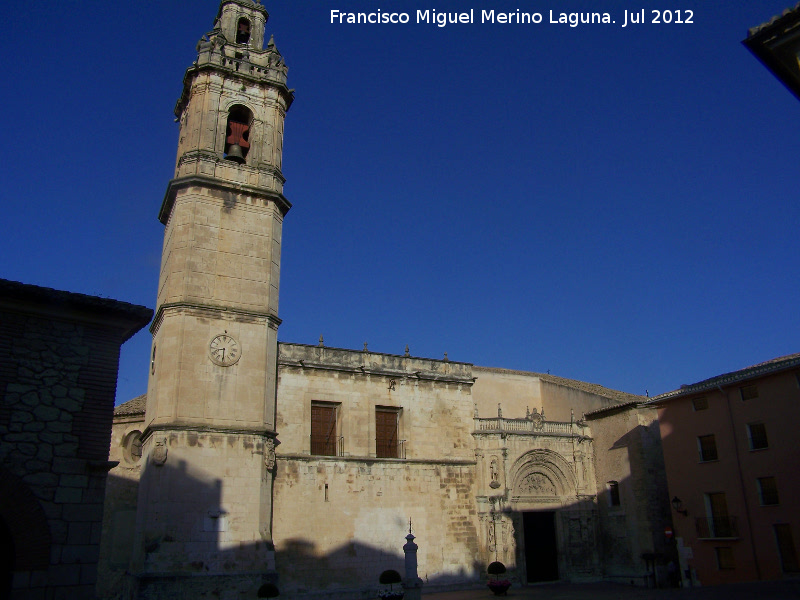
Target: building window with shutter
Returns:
[[767, 491], [786, 549], [324, 438], [725, 558], [757, 436], [707, 444], [387, 442], [700, 403], [749, 392], [719, 524]]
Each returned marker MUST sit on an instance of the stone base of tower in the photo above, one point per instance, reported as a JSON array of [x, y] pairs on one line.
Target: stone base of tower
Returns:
[[204, 512]]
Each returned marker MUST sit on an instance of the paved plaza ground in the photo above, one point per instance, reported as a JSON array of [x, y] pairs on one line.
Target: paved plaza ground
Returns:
[[771, 590]]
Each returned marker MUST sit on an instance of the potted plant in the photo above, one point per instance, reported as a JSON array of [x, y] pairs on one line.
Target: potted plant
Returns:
[[499, 587], [390, 577], [268, 590]]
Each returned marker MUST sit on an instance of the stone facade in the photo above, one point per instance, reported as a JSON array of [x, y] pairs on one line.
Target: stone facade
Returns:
[[59, 354], [340, 518], [512, 485], [304, 466], [632, 499]]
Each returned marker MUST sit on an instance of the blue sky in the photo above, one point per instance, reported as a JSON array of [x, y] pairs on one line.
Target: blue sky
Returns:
[[616, 205]]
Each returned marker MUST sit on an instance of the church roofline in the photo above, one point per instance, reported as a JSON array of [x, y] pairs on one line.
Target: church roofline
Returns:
[[361, 362], [575, 384], [439, 360]]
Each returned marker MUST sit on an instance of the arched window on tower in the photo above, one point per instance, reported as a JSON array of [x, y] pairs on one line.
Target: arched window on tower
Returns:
[[237, 134], [243, 31], [613, 493]]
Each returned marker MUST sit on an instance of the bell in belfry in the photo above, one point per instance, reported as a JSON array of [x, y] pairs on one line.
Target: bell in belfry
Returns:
[[237, 141], [235, 153]]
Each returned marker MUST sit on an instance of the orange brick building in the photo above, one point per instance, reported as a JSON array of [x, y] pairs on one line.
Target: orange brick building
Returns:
[[732, 459]]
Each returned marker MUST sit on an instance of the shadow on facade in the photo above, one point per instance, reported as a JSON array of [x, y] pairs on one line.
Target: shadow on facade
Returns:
[[212, 562]]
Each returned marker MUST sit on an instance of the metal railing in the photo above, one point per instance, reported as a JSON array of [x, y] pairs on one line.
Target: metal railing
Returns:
[[331, 447], [384, 449]]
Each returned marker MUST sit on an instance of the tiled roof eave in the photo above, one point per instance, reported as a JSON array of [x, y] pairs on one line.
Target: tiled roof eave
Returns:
[[753, 372]]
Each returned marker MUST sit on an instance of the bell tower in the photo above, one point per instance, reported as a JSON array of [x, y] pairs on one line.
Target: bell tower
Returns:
[[205, 496]]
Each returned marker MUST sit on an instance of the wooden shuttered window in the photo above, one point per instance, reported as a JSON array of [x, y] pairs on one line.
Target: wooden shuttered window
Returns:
[[783, 535], [707, 445], [718, 513], [386, 442], [323, 430]]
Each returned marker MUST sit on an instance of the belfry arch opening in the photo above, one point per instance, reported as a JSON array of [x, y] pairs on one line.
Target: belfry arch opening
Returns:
[[237, 134], [243, 31]]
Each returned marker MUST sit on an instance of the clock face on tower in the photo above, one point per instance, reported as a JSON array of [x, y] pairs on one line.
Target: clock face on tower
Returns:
[[224, 350]]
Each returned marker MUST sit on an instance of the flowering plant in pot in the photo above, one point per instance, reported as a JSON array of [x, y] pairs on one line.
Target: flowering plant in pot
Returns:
[[390, 577], [498, 586]]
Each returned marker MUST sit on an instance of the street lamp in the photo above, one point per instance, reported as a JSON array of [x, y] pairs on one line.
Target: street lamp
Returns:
[[678, 506]]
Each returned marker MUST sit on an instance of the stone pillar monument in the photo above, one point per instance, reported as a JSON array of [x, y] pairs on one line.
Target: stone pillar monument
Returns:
[[412, 584]]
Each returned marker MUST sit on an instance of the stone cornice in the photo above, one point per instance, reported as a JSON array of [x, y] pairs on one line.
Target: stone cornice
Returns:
[[371, 459], [393, 374], [283, 90], [211, 308], [202, 154], [207, 429], [212, 182]]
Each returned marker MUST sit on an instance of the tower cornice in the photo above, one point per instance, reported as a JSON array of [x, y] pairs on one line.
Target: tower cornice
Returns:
[[211, 182], [213, 311], [258, 77], [249, 4]]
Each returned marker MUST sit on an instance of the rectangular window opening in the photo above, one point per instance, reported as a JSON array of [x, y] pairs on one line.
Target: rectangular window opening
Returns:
[[725, 558], [387, 442], [768, 491], [613, 493], [324, 438], [707, 444], [718, 524], [757, 436], [786, 549], [700, 403], [749, 392]]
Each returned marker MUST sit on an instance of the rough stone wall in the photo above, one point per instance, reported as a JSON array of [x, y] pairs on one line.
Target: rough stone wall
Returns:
[[628, 451], [119, 515], [518, 391], [57, 383], [341, 520]]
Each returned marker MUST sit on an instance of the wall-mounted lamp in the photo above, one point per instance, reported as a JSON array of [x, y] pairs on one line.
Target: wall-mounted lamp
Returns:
[[678, 506]]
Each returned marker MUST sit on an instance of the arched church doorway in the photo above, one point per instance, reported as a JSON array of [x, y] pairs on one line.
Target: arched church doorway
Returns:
[[541, 548], [543, 486]]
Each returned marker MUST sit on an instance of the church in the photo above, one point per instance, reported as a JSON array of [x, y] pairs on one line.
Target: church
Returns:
[[252, 462]]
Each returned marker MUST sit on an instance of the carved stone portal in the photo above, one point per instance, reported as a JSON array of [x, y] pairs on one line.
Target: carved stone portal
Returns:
[[537, 484]]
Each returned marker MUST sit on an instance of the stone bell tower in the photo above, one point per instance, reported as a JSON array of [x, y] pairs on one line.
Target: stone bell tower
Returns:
[[205, 497]]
